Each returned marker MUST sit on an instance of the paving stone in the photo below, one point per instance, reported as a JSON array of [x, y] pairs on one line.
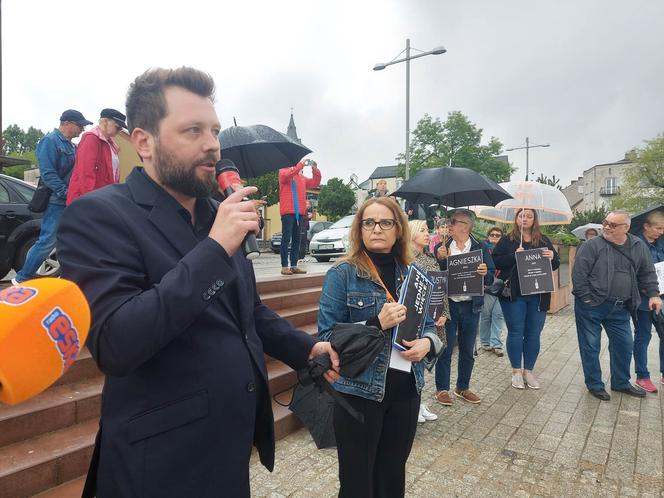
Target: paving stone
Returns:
[[558, 441]]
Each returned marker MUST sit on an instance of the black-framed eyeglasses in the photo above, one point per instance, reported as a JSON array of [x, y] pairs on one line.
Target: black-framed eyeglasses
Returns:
[[370, 224], [612, 226], [494, 235]]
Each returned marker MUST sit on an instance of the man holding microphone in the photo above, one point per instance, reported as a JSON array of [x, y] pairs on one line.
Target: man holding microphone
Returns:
[[177, 325]]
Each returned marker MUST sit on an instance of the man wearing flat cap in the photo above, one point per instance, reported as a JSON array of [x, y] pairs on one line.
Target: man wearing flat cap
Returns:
[[97, 161], [55, 154]]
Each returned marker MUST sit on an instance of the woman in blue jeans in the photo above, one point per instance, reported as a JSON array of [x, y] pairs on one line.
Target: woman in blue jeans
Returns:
[[524, 315]]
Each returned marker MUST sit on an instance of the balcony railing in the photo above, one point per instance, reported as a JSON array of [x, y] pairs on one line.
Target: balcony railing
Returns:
[[615, 190]]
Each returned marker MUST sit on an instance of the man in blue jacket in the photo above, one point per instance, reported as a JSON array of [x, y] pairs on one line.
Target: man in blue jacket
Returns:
[[55, 154], [177, 325], [464, 311]]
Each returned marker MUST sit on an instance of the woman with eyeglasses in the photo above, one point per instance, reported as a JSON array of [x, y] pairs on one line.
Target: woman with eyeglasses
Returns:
[[419, 240], [524, 315], [364, 287]]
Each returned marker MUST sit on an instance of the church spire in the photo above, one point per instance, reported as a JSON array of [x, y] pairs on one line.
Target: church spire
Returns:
[[292, 130]]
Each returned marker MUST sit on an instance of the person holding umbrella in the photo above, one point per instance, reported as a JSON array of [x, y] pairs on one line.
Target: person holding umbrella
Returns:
[[524, 315], [650, 233], [419, 241], [293, 209], [364, 287]]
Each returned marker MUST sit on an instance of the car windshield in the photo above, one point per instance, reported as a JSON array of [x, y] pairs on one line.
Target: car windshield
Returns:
[[344, 222]]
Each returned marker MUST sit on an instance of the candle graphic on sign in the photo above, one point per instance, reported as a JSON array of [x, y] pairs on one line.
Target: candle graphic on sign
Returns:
[[464, 287], [536, 284]]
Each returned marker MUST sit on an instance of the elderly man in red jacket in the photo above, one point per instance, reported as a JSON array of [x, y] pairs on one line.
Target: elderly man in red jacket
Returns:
[[97, 161], [293, 209]]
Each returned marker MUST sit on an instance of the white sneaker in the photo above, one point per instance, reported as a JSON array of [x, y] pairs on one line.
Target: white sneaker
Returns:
[[420, 417], [517, 381], [426, 414], [15, 282], [531, 380]]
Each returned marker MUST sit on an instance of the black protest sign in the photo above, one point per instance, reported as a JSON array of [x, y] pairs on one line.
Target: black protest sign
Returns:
[[535, 272], [439, 292], [415, 296], [462, 276]]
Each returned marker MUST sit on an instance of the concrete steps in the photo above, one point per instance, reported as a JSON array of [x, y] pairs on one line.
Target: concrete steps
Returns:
[[46, 443]]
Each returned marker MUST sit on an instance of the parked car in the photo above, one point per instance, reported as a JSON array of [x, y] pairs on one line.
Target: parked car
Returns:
[[275, 242], [19, 228], [314, 227], [331, 242]]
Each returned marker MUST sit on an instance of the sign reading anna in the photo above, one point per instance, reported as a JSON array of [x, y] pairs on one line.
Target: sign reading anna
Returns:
[[535, 272], [462, 276]]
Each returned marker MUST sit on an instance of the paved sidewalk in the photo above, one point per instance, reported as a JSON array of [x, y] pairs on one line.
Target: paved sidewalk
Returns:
[[558, 441]]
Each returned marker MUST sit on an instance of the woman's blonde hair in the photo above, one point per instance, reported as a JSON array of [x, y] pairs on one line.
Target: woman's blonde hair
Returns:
[[415, 227], [357, 249]]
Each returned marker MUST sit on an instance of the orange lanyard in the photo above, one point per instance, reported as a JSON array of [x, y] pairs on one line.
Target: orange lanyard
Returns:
[[374, 273]]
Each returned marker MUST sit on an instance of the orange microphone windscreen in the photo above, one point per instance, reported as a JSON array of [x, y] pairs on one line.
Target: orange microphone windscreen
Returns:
[[43, 326]]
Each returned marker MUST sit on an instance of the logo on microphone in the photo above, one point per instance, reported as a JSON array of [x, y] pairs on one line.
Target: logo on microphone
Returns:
[[16, 296], [61, 330]]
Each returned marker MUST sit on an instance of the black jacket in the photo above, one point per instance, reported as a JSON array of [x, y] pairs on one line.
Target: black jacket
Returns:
[[180, 353], [503, 257]]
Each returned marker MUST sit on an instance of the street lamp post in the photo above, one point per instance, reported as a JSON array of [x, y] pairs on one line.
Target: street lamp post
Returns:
[[382, 65], [527, 147]]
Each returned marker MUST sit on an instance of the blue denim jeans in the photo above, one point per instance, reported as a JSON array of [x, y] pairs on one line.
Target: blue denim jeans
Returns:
[[642, 334], [491, 322], [462, 325], [589, 323], [524, 326], [290, 235], [45, 243]]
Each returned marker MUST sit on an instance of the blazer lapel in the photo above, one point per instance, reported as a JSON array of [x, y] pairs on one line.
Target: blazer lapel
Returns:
[[174, 228]]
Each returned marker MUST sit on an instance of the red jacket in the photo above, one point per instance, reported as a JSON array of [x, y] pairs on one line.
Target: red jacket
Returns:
[[302, 183], [93, 167]]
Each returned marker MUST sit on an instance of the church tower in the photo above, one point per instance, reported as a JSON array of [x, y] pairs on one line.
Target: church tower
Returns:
[[292, 130]]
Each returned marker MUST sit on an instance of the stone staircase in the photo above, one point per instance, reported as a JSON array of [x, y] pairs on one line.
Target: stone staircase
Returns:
[[46, 443]]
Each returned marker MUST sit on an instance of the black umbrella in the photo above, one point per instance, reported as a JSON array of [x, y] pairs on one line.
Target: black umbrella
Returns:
[[259, 149], [358, 346], [658, 322], [314, 398], [453, 187], [639, 219]]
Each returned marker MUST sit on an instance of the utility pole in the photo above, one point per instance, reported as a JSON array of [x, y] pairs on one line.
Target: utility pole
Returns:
[[527, 147]]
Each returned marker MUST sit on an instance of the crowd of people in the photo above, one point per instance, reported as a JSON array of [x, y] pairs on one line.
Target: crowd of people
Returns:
[[180, 332]]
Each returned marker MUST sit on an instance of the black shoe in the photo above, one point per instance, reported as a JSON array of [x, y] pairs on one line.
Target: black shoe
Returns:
[[632, 391], [601, 394]]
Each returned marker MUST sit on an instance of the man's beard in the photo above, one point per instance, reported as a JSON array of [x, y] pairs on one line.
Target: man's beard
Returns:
[[183, 179]]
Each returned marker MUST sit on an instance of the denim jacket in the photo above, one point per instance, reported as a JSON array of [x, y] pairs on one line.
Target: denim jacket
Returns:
[[56, 161], [350, 296]]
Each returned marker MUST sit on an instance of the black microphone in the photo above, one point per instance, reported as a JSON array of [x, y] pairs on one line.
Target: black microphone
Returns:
[[227, 176]]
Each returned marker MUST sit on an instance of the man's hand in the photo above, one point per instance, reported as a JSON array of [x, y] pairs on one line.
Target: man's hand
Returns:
[[442, 252], [325, 347], [391, 314], [482, 269], [655, 304], [419, 348], [440, 323], [235, 218]]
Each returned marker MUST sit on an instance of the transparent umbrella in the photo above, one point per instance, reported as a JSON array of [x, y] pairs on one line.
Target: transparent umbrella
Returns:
[[549, 202]]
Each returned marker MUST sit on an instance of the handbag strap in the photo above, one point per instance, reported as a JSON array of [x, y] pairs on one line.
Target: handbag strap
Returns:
[[614, 246]]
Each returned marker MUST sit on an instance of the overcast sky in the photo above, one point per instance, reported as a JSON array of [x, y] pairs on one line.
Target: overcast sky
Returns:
[[585, 76]]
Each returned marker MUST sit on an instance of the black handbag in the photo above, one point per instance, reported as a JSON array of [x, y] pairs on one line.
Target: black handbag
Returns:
[[40, 199]]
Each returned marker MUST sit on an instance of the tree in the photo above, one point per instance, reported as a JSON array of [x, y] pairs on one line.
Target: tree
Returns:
[[335, 199], [268, 187], [553, 181], [643, 182], [596, 215], [12, 136], [456, 142], [17, 141]]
